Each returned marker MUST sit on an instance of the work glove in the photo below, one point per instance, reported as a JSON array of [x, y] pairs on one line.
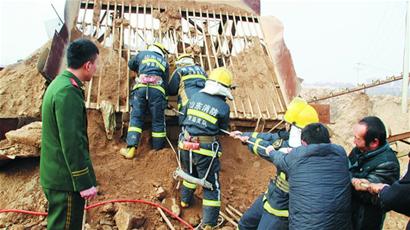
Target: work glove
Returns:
[[89, 194]]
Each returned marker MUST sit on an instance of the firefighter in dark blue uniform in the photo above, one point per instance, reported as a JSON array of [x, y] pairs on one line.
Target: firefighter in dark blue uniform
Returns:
[[205, 114], [148, 93], [270, 210], [186, 80]]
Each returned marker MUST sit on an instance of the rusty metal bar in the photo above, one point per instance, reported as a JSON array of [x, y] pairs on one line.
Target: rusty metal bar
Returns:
[[398, 137], [220, 45], [206, 45], [127, 60], [231, 62], [85, 12], [192, 41], [182, 33], [211, 39], [358, 88], [121, 31]]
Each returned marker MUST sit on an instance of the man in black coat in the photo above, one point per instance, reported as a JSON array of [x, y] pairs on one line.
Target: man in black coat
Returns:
[[372, 160]]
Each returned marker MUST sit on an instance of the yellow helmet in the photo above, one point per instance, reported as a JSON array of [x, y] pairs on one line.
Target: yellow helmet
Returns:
[[300, 113], [222, 75], [184, 60], [157, 45]]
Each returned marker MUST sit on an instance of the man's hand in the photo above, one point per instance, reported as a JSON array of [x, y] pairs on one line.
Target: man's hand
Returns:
[[89, 194], [269, 149], [235, 134], [376, 188], [360, 184]]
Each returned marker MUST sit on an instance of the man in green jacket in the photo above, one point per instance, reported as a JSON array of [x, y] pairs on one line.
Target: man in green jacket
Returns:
[[66, 172]]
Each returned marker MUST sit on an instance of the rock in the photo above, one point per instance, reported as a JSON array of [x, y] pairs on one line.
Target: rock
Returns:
[[194, 220], [108, 208], [160, 193], [44, 223], [256, 164], [175, 208], [126, 221], [106, 227], [107, 222], [162, 227], [227, 228], [17, 227]]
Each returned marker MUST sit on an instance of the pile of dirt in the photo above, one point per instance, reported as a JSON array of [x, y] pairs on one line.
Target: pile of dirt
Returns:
[[109, 83], [254, 76], [22, 87], [139, 178], [24, 142]]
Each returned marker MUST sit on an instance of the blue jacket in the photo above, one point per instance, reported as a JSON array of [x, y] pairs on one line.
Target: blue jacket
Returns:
[[277, 194], [319, 186], [205, 114], [151, 63], [186, 81]]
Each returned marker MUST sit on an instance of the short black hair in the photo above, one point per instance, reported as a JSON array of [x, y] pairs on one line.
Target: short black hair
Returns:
[[81, 51], [315, 133], [375, 129]]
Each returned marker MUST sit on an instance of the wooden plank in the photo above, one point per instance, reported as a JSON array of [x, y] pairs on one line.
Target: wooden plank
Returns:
[[103, 45]]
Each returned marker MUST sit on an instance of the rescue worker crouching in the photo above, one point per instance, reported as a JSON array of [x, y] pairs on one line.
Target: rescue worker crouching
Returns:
[[148, 93], [270, 210], [186, 80], [199, 149]]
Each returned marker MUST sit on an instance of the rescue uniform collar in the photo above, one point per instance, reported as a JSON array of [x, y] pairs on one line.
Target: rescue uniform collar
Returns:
[[68, 74]]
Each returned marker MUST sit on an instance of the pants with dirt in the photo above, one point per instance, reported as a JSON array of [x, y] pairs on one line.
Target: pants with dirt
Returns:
[[211, 201], [143, 100], [256, 217]]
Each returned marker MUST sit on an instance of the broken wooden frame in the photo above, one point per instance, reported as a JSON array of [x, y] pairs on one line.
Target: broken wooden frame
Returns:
[[215, 37]]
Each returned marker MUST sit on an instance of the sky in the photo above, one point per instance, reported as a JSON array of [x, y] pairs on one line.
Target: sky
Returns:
[[342, 41], [330, 41]]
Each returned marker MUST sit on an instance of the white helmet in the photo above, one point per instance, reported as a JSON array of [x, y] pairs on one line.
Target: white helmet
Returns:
[[184, 60]]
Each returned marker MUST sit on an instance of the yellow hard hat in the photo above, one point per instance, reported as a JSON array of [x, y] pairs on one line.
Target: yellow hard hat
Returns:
[[184, 56], [161, 47], [300, 113], [222, 75]]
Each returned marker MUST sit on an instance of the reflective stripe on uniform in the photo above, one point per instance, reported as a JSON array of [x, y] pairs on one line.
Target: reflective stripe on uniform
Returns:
[[134, 129], [159, 134], [189, 185], [211, 203], [151, 60], [205, 152], [200, 114], [281, 182], [80, 172], [158, 87], [273, 211], [254, 135], [256, 145], [193, 76]]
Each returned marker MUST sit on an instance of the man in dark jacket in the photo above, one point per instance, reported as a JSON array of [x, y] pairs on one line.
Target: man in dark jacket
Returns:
[[66, 172], [271, 210], [373, 160], [319, 181], [148, 94], [395, 197]]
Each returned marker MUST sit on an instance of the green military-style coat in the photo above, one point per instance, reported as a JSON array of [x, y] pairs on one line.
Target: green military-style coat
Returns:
[[65, 162]]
